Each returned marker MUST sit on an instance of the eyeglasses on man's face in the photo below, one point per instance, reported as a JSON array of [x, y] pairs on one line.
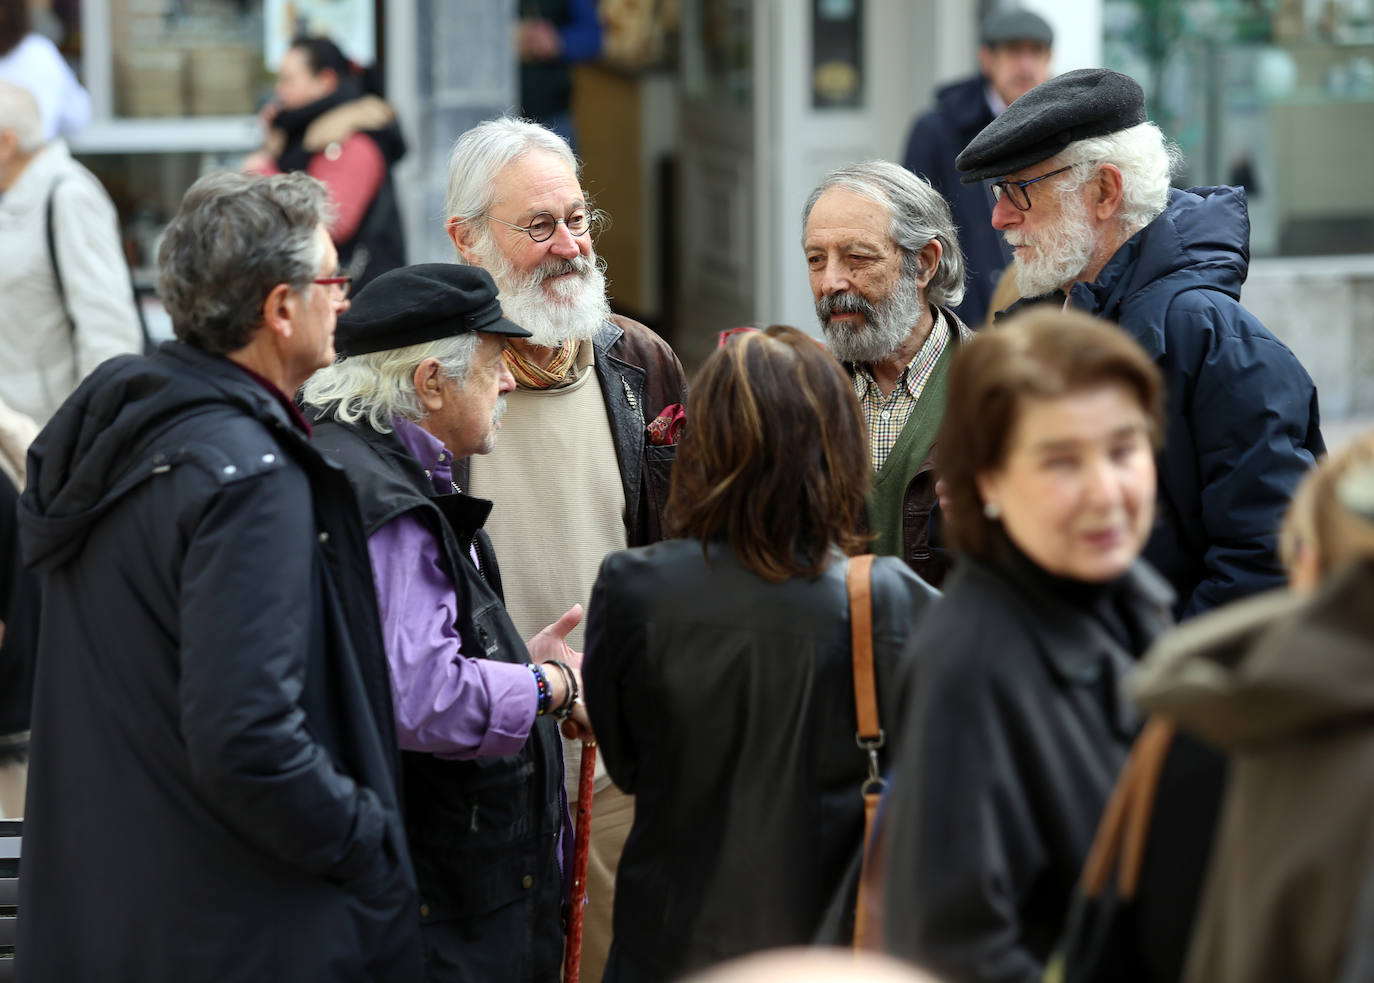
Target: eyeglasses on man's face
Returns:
[[543, 225], [1016, 190], [342, 284]]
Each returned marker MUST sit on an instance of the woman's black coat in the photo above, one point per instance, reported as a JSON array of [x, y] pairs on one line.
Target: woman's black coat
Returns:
[[1015, 729], [725, 704]]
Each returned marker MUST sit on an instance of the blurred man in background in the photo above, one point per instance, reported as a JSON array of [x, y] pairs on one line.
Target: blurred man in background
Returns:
[[1014, 57]]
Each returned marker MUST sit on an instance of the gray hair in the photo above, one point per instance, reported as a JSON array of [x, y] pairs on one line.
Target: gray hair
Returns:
[[381, 385], [19, 112], [1148, 162], [919, 213], [234, 239], [484, 151]]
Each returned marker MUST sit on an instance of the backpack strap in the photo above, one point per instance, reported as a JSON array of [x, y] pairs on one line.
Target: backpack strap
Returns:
[[52, 254], [50, 211]]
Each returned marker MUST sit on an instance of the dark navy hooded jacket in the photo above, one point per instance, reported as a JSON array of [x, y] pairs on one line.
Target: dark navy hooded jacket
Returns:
[[961, 111], [1241, 424], [212, 777]]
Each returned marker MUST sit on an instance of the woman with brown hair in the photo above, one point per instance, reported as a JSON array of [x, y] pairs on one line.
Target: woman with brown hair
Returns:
[[718, 668], [1015, 728]]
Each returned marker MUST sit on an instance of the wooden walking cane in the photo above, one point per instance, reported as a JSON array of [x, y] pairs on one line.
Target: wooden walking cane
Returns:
[[572, 960]]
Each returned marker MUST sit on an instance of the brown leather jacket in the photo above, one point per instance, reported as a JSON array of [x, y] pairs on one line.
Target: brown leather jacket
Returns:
[[639, 377]]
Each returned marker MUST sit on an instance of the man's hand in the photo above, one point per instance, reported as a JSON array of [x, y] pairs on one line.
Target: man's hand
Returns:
[[538, 41], [551, 643]]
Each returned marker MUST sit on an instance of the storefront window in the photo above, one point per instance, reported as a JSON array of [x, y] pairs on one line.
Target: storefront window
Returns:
[[1274, 95], [197, 58]]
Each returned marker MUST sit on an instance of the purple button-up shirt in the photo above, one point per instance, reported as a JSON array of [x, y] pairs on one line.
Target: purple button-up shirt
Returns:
[[446, 704]]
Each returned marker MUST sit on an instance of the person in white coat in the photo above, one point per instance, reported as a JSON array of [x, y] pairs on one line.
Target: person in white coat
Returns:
[[31, 60], [64, 281]]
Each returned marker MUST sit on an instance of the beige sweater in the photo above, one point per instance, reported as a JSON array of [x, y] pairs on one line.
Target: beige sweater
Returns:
[[559, 507]]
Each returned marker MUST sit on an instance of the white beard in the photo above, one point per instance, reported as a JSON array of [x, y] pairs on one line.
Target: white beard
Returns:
[[573, 307], [1057, 255], [886, 323]]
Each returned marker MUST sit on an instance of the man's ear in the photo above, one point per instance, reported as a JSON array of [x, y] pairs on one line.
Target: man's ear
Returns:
[[464, 237], [429, 389], [1105, 192], [927, 259], [278, 310]]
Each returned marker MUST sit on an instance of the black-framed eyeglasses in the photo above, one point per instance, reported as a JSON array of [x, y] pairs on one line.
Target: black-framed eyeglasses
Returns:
[[543, 225], [1016, 190], [341, 283]]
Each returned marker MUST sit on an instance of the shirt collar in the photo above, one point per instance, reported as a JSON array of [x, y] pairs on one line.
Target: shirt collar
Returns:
[[428, 450], [292, 410], [908, 379]]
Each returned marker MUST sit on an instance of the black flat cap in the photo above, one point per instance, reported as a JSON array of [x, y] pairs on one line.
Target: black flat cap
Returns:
[[1089, 102], [426, 302], [1002, 26]]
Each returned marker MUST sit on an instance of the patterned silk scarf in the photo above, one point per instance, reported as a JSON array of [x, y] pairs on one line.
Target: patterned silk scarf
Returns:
[[528, 375]]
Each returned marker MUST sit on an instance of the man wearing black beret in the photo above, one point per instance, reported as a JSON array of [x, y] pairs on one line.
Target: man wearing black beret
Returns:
[[1013, 58], [421, 383], [1082, 186]]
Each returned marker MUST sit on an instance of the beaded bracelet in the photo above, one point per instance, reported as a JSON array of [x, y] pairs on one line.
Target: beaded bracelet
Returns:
[[545, 691], [565, 709]]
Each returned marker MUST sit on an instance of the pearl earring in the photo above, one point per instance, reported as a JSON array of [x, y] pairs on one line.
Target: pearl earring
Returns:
[[991, 510]]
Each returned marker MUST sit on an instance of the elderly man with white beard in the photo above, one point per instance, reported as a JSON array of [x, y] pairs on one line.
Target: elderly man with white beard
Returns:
[[1082, 189], [886, 269], [587, 442]]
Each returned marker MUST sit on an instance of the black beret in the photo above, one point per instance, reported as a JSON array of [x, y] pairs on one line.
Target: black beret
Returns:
[[415, 304], [1089, 102], [1002, 26]]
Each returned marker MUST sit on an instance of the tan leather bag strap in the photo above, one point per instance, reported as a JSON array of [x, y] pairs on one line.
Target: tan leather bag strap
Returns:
[[1125, 824], [868, 916], [858, 579]]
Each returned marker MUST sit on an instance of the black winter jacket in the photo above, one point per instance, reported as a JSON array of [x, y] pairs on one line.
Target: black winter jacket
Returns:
[[483, 832], [1014, 731], [725, 705], [1242, 424], [212, 776], [937, 137]]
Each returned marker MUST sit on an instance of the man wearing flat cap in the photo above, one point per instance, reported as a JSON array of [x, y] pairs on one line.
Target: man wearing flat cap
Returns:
[[1013, 58], [1082, 186], [419, 384]]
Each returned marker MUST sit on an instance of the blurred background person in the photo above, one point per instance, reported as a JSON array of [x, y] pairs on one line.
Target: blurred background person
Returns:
[[1014, 730], [552, 36], [69, 303], [1283, 684], [718, 669], [1013, 58], [330, 121], [31, 60]]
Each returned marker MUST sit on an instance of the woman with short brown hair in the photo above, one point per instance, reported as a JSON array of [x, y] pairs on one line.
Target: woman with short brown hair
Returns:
[[1014, 729], [718, 666]]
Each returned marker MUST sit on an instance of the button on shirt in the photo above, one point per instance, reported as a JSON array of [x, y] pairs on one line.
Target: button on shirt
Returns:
[[446, 704], [887, 415]]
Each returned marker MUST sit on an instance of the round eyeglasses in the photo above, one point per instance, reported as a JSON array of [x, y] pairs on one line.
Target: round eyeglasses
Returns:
[[543, 225], [1016, 190], [341, 284]]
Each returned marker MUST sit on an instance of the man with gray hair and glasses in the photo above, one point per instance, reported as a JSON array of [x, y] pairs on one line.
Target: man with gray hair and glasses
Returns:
[[213, 791], [885, 267], [588, 442], [1081, 179], [419, 385]]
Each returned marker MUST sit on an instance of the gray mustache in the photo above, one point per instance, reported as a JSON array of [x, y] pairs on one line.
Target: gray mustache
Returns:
[[845, 303]]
